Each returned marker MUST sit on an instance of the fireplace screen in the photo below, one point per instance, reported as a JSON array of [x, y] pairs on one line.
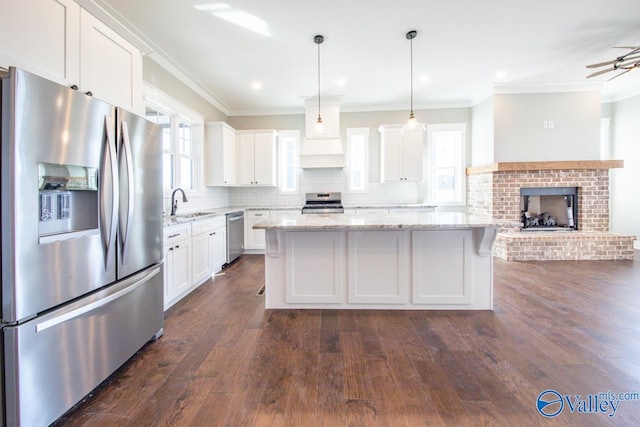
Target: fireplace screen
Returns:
[[547, 209]]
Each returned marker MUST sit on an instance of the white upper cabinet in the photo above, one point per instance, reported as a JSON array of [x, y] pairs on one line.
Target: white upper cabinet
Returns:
[[257, 157], [401, 154], [60, 41], [110, 67], [43, 37], [220, 152]]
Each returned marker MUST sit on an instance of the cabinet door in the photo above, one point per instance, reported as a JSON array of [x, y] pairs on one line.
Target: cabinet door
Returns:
[[218, 242], [392, 156], [412, 154], [246, 158], [181, 280], [229, 165], [110, 67], [255, 239], [264, 158], [42, 36], [201, 260], [378, 267], [168, 276]]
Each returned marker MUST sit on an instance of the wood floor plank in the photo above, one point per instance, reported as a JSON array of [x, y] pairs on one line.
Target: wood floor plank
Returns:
[[226, 361], [356, 386]]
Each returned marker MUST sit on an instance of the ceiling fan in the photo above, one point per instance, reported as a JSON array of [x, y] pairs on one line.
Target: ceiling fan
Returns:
[[626, 62]]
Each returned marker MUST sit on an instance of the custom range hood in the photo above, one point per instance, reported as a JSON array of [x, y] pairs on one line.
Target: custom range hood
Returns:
[[322, 150]]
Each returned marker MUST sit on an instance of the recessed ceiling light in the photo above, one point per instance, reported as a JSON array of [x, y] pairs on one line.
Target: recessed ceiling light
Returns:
[[256, 85], [341, 82], [423, 78], [501, 74]]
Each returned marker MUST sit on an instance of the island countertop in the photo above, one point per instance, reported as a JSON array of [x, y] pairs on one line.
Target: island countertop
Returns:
[[405, 220]]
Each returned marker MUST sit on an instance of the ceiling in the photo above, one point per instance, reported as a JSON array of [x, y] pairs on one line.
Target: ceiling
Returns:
[[461, 46]]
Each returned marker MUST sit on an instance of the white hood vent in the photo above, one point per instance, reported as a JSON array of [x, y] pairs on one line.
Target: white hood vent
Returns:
[[325, 151]]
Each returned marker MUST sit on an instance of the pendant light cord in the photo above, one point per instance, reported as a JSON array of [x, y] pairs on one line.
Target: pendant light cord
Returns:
[[411, 75], [318, 40]]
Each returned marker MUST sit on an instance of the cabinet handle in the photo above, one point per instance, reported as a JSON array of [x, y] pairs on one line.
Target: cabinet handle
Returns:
[[177, 246], [173, 235], [74, 87], [258, 215], [89, 93], [211, 234], [170, 249]]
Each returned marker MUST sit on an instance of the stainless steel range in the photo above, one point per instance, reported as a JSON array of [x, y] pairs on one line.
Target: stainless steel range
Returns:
[[320, 203]]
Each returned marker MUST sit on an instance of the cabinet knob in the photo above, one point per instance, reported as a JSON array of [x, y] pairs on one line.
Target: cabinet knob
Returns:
[[170, 249], [177, 246]]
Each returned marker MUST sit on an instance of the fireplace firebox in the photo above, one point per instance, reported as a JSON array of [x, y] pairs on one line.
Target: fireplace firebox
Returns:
[[549, 208]]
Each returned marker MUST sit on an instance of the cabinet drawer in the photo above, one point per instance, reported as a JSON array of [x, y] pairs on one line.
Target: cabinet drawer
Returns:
[[258, 215], [201, 226], [176, 233], [218, 221]]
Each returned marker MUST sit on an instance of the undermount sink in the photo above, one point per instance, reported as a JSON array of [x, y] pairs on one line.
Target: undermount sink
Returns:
[[193, 214]]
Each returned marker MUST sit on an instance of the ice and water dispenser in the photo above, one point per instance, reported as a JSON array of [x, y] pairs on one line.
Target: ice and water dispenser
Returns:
[[68, 201]]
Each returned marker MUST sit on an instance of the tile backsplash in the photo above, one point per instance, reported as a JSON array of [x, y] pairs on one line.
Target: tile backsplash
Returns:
[[311, 180], [325, 180]]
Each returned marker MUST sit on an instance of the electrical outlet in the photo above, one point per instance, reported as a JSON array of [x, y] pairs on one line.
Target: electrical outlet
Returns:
[[545, 124], [551, 125]]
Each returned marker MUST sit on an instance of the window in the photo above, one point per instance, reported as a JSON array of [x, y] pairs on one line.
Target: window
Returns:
[[164, 120], [288, 142], [357, 159], [446, 160], [181, 140]]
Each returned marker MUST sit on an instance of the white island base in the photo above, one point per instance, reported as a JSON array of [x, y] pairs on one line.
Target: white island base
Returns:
[[416, 269]]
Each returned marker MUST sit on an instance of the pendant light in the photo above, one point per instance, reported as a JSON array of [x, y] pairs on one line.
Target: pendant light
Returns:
[[320, 128], [412, 124]]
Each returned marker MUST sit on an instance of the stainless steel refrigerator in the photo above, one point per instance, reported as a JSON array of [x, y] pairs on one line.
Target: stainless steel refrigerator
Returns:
[[81, 215]]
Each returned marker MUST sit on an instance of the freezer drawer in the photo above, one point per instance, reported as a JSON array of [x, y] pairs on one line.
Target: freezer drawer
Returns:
[[54, 360]]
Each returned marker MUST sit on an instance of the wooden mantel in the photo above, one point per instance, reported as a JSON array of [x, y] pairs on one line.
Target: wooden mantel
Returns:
[[553, 165]]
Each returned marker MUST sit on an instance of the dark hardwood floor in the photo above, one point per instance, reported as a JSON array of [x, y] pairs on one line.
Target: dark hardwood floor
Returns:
[[573, 327]]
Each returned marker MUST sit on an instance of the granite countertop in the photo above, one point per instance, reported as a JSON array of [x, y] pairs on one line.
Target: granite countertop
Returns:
[[408, 220], [182, 218]]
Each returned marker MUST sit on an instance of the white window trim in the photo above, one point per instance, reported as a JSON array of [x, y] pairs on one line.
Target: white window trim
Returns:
[[366, 133], [461, 173], [296, 161], [605, 138], [159, 100]]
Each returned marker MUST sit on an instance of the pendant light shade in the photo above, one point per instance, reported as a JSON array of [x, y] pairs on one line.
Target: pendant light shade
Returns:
[[320, 128], [412, 124]]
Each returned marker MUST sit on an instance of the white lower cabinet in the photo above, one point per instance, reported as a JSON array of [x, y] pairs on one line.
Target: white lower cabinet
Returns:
[[193, 252], [442, 266], [177, 258], [218, 244], [378, 266], [254, 239], [311, 278]]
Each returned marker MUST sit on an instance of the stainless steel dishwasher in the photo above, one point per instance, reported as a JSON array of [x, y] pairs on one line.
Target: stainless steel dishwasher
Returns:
[[235, 235]]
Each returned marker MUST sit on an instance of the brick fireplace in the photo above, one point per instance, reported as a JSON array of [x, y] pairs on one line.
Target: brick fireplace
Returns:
[[495, 190]]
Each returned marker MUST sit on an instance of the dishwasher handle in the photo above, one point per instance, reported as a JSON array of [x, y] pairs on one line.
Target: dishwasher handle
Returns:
[[232, 218]]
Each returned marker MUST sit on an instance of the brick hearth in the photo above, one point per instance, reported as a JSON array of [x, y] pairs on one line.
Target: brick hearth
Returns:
[[495, 190]]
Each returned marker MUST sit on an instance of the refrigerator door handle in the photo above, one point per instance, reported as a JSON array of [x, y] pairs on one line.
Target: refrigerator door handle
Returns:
[[125, 229], [109, 234], [72, 314]]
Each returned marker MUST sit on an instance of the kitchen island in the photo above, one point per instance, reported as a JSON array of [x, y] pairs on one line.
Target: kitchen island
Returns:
[[413, 260]]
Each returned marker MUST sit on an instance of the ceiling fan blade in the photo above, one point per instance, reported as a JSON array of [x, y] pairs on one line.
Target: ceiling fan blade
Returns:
[[597, 73], [619, 59], [618, 75], [600, 64]]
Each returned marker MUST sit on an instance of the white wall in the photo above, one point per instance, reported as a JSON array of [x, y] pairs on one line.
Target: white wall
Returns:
[[482, 133], [624, 191], [519, 134]]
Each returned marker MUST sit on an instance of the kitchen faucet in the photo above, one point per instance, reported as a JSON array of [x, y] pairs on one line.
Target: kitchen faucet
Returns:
[[174, 202]]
